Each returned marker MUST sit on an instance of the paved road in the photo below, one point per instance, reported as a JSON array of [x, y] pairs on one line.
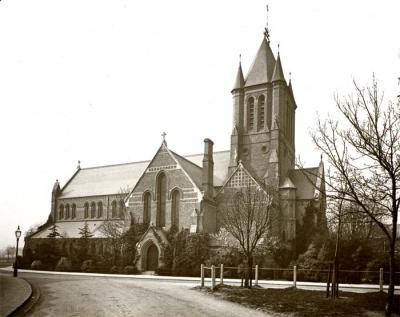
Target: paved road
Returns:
[[63, 295]]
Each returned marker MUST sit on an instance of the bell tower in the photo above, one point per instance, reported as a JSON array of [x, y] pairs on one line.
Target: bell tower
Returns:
[[263, 118]]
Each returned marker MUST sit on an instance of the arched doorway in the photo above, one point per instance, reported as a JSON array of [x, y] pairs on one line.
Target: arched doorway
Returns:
[[152, 258]]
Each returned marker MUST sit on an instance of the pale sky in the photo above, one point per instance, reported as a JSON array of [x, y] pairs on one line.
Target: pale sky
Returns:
[[99, 81]]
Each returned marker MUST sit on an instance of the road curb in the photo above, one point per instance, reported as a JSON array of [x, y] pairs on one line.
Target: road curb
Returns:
[[15, 311], [207, 280], [29, 303]]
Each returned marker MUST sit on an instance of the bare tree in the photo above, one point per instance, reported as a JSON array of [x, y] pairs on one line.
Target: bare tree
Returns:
[[364, 153], [10, 250], [114, 232], [247, 217]]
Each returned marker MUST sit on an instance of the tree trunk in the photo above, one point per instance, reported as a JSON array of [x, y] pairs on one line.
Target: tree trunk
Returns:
[[250, 270], [392, 269]]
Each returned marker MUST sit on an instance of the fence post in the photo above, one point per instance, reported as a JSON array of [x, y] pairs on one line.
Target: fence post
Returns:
[[212, 277], [202, 275], [294, 276], [221, 275], [381, 279], [256, 276]]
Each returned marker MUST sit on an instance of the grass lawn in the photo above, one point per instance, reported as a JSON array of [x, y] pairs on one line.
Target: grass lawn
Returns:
[[298, 302]]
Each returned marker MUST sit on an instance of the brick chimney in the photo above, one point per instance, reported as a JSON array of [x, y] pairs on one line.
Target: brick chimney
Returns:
[[208, 169]]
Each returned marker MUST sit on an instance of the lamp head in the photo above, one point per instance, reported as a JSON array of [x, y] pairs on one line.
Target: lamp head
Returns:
[[18, 233]]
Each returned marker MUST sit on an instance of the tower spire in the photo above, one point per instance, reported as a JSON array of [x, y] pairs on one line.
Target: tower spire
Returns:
[[266, 29], [239, 81]]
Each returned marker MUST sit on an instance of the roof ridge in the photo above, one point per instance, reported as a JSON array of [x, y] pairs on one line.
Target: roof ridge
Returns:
[[110, 165], [189, 155]]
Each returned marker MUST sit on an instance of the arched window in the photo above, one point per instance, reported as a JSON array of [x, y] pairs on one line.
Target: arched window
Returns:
[[147, 208], [92, 209], [176, 197], [121, 211], [261, 112], [250, 113], [269, 114], [99, 209], [86, 210], [73, 211], [61, 211], [114, 209], [161, 199], [66, 211]]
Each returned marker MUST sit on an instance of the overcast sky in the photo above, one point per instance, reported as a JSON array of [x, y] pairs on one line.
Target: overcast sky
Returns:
[[99, 81]]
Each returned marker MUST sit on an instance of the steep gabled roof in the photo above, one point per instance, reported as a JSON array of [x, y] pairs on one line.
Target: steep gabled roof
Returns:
[[70, 229], [111, 179], [262, 68], [194, 171]]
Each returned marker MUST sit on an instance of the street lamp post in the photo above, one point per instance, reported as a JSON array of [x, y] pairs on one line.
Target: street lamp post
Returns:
[[17, 235]]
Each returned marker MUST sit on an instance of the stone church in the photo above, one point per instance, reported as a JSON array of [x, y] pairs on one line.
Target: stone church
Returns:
[[171, 189]]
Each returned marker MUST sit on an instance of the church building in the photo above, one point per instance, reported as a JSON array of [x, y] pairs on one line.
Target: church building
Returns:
[[185, 191]]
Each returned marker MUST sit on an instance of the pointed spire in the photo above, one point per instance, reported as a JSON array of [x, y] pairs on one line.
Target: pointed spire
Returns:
[[239, 82], [291, 89], [262, 67], [278, 71]]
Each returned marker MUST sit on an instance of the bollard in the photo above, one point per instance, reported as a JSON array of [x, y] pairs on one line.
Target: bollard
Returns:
[[294, 276], [212, 277], [202, 275], [381, 279], [256, 276], [221, 275]]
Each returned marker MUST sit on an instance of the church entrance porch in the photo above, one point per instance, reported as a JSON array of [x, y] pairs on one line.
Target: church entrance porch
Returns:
[[152, 258]]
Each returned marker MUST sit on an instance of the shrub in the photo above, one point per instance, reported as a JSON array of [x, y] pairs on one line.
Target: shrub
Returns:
[[64, 265], [87, 266], [37, 265], [163, 270], [130, 269]]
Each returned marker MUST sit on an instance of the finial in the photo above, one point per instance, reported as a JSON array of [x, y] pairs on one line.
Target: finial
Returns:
[[240, 58], [266, 29], [290, 76], [240, 163], [398, 83], [163, 137], [278, 47], [57, 180], [79, 165], [321, 157]]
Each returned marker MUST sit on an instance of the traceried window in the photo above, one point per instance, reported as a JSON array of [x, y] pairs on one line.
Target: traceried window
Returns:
[[99, 209], [261, 110], [67, 211], [92, 209], [86, 210], [250, 113], [161, 199], [114, 209], [240, 179], [73, 209], [121, 209], [61, 215], [147, 208], [176, 198]]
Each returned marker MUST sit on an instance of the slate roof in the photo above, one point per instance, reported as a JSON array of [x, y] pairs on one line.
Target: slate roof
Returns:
[[239, 82], [221, 164], [70, 229], [111, 179], [262, 67]]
